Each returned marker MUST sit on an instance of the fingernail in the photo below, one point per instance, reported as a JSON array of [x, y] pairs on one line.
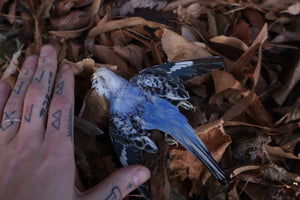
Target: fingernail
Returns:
[[46, 50], [30, 62], [63, 68], [4, 86], [140, 176]]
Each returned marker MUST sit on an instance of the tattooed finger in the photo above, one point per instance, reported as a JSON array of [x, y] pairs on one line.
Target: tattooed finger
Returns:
[[60, 117], [38, 96], [13, 109], [119, 184]]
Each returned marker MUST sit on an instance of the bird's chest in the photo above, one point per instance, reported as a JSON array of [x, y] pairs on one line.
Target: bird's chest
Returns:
[[127, 102]]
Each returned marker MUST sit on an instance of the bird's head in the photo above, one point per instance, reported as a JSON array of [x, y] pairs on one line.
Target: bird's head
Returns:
[[107, 83]]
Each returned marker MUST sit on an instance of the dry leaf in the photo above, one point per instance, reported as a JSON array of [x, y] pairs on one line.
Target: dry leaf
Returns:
[[177, 48], [13, 65], [212, 26], [231, 47], [12, 12], [95, 109], [294, 9], [73, 21], [241, 31], [133, 54], [254, 17], [174, 4], [123, 23], [109, 56], [278, 151], [292, 78], [242, 169], [239, 66]]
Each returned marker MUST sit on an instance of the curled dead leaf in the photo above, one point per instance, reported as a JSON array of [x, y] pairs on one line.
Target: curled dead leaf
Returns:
[[230, 47], [95, 109], [278, 151], [242, 169], [13, 65], [178, 48], [74, 20]]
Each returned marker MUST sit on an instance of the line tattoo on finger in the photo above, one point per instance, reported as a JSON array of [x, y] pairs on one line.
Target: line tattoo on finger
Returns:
[[17, 91], [70, 123], [115, 194], [29, 111], [39, 79], [57, 119], [59, 88], [129, 186], [7, 117], [47, 96]]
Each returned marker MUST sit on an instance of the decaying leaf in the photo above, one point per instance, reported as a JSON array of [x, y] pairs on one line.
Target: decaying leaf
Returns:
[[13, 65], [229, 46], [177, 48], [277, 151]]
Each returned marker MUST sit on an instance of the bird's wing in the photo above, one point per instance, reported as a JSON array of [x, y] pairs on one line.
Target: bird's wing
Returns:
[[156, 81], [190, 68], [166, 80], [127, 130]]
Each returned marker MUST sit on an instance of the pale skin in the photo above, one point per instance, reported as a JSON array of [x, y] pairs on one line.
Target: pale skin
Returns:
[[36, 137]]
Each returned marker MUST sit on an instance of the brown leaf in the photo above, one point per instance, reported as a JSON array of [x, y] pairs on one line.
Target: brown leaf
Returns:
[[174, 4], [13, 65], [94, 8], [241, 31], [278, 151], [118, 24], [95, 109], [177, 48], [133, 54], [239, 66], [294, 9], [254, 17], [242, 169], [231, 47], [291, 79], [109, 56], [12, 12], [74, 20], [70, 34]]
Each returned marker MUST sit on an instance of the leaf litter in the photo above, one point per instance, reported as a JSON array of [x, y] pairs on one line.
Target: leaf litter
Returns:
[[247, 113]]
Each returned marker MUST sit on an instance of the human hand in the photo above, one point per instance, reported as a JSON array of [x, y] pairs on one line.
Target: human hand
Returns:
[[36, 137]]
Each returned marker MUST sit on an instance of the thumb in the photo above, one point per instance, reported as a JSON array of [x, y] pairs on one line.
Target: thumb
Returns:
[[119, 184]]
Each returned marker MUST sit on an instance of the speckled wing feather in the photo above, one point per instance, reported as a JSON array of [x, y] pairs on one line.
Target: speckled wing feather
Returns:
[[166, 80], [159, 83], [125, 129]]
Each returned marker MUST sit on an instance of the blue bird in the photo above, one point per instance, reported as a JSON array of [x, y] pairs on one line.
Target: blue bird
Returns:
[[144, 103]]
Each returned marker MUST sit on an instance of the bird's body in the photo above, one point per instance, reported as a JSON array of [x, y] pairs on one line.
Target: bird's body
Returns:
[[143, 104]]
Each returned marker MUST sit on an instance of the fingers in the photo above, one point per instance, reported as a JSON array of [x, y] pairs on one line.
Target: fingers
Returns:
[[38, 96], [60, 117], [119, 184], [13, 108], [4, 93]]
